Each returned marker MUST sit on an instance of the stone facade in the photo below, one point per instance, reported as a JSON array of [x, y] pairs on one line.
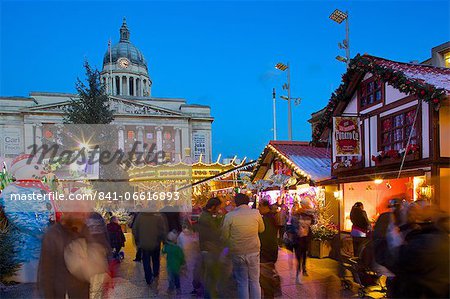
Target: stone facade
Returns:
[[171, 123]]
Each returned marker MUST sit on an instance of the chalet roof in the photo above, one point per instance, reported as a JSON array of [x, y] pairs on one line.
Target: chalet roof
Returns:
[[436, 76], [306, 160], [428, 83]]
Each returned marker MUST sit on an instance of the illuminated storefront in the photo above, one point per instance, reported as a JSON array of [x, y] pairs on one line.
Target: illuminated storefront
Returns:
[[292, 170], [389, 138]]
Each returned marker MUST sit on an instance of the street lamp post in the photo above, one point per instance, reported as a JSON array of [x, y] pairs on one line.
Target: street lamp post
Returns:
[[339, 16], [285, 67], [274, 115]]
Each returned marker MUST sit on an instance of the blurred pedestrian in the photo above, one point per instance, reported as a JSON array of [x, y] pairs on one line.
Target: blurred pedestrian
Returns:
[[173, 218], [116, 237], [174, 261], [150, 229], [360, 228], [188, 240], [240, 230], [54, 278], [96, 233], [209, 229], [302, 221], [96, 229], [269, 278], [282, 213], [133, 217], [418, 252], [72, 256]]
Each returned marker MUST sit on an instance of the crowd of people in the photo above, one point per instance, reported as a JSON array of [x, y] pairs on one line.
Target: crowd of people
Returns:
[[239, 245], [409, 244]]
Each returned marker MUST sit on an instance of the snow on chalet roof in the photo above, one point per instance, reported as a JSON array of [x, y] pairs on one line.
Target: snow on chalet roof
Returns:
[[314, 161], [437, 76]]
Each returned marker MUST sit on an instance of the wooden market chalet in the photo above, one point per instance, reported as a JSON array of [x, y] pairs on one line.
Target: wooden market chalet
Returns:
[[402, 113], [297, 159]]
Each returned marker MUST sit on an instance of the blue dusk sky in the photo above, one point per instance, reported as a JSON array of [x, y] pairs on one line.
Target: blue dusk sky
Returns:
[[220, 54]]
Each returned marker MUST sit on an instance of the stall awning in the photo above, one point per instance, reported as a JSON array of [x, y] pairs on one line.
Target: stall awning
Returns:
[[243, 167], [311, 162], [375, 175]]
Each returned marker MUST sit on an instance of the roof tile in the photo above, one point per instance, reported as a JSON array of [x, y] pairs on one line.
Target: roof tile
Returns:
[[315, 161]]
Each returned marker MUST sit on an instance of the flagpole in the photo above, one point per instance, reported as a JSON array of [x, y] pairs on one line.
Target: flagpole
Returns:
[[110, 68]]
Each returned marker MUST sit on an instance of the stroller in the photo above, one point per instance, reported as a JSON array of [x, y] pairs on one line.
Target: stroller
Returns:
[[362, 272]]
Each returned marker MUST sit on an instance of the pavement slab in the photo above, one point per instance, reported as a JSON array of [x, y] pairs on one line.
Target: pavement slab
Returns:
[[129, 283]]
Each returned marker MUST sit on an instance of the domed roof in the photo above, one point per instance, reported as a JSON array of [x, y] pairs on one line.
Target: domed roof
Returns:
[[125, 49]]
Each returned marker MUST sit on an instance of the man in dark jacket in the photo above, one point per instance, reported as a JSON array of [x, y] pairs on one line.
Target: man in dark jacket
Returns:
[[269, 251], [133, 217], [209, 232], [149, 231]]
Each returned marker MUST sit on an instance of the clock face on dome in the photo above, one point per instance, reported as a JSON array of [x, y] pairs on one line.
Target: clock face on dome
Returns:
[[123, 63]]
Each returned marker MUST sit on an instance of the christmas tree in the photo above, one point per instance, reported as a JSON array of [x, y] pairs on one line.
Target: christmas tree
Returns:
[[8, 265], [92, 106]]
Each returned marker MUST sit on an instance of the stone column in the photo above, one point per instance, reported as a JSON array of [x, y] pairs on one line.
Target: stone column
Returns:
[[28, 138], [134, 86], [149, 87], [186, 139], [140, 138], [113, 80], [159, 143], [144, 87], [122, 86], [38, 134], [138, 88], [127, 87], [178, 150], [58, 137], [121, 139]]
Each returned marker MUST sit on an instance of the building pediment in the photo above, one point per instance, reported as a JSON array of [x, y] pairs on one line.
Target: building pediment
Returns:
[[118, 105], [129, 107]]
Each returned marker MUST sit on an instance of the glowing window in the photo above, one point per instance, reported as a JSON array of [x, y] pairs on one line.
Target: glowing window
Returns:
[[447, 59]]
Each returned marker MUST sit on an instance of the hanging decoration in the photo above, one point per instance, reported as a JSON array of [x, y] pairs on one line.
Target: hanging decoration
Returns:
[[394, 154], [397, 79], [279, 180], [5, 178]]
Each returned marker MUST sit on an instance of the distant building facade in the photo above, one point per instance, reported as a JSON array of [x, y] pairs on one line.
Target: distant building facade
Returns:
[[171, 124], [440, 56]]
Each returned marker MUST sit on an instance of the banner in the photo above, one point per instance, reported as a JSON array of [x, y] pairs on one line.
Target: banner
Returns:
[[347, 136], [12, 142]]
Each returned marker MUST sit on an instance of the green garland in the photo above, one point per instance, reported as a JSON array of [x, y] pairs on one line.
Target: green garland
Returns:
[[397, 79]]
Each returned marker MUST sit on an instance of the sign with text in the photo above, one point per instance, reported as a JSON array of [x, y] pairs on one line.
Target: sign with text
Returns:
[[347, 136], [12, 141]]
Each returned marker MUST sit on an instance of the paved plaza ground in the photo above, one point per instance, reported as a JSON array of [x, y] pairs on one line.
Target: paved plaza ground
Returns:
[[322, 281]]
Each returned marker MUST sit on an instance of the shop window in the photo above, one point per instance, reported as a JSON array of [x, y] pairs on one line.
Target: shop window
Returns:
[[447, 59], [370, 92], [395, 130]]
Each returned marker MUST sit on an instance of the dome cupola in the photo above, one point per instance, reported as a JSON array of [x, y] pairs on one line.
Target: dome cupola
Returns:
[[125, 70], [125, 49]]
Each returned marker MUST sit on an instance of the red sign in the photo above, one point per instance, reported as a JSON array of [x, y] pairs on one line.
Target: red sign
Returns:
[[280, 168], [347, 136]]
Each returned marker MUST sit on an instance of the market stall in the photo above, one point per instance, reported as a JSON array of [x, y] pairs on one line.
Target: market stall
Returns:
[[292, 170]]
